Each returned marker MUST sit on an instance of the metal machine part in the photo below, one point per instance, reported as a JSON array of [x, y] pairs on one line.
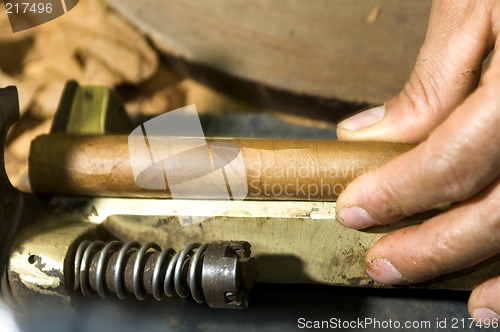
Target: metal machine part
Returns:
[[90, 109], [11, 198], [40, 234], [37, 240], [220, 273], [13, 203]]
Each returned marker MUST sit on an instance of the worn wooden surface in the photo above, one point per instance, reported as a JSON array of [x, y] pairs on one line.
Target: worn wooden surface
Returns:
[[335, 54]]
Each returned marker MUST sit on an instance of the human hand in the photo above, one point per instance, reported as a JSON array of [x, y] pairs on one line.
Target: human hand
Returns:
[[457, 125]]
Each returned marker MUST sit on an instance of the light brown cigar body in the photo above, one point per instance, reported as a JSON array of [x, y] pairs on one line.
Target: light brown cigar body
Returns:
[[275, 169]]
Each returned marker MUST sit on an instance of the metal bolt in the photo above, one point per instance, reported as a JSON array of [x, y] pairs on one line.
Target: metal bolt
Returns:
[[230, 296]]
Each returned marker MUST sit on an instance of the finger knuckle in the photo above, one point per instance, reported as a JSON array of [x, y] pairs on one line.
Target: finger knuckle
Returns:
[[392, 203], [452, 179], [421, 92], [491, 212]]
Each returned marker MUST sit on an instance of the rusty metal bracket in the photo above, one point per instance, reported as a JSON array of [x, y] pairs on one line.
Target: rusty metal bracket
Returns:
[[39, 235]]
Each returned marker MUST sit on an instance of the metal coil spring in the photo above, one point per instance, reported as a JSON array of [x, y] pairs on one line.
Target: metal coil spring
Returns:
[[167, 274]]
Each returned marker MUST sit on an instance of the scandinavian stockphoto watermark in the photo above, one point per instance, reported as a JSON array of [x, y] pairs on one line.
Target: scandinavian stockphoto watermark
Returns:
[[26, 14], [170, 153], [304, 180], [372, 323]]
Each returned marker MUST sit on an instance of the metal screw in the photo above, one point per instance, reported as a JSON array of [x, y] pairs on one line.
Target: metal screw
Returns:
[[230, 296]]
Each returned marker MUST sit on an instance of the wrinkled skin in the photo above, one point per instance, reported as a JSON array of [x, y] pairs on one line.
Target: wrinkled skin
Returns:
[[454, 115]]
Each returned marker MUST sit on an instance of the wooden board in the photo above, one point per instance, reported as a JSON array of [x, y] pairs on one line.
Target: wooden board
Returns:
[[323, 57]]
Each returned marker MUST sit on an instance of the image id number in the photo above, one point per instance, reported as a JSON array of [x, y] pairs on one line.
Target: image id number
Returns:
[[26, 8]]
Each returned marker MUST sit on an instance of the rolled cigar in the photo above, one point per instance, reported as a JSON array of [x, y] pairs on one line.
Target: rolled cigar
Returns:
[[199, 168]]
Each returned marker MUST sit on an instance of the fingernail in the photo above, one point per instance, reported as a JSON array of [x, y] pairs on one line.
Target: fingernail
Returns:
[[355, 217], [381, 270], [364, 119], [485, 314]]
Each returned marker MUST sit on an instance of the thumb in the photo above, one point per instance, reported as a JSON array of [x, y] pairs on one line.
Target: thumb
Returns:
[[448, 68]]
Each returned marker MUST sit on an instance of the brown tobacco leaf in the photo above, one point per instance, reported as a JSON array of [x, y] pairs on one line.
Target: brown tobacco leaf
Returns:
[[19, 146], [156, 102], [47, 99], [26, 90], [17, 171], [163, 92], [52, 57], [100, 33], [90, 44], [210, 101], [6, 31], [98, 73]]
